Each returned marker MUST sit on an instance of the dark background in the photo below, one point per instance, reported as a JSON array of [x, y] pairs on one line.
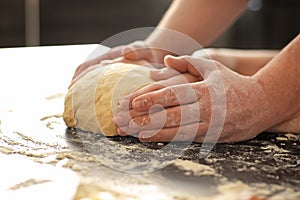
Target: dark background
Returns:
[[266, 24]]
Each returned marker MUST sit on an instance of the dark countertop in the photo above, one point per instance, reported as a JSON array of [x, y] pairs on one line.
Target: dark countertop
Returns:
[[268, 162]]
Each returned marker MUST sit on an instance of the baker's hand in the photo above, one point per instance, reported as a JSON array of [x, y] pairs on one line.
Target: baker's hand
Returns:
[[191, 108], [135, 51]]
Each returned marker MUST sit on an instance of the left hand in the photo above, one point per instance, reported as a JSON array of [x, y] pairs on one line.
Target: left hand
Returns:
[[131, 53], [189, 107]]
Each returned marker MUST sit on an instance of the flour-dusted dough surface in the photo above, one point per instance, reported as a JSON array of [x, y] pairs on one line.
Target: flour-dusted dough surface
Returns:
[[89, 103]]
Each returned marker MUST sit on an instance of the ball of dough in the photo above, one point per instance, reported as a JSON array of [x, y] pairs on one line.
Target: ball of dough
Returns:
[[91, 101]]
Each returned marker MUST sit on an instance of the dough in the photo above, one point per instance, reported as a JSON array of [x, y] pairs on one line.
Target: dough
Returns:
[[91, 101]]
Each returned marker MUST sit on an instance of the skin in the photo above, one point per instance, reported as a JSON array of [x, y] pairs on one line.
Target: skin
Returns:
[[253, 103], [181, 17], [245, 62], [261, 87], [201, 20]]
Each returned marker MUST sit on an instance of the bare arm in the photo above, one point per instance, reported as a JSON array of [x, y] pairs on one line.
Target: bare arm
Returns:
[[201, 20], [245, 62], [198, 20], [280, 80], [249, 62]]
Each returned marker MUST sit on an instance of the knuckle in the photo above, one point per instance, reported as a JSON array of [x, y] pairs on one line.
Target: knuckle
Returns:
[[186, 57], [215, 65], [199, 90], [169, 96], [156, 86], [173, 118], [149, 100]]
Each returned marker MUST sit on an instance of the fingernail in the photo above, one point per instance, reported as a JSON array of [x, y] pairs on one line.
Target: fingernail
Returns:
[[124, 103], [137, 104], [144, 137], [134, 127], [119, 121], [146, 134], [106, 62], [122, 131]]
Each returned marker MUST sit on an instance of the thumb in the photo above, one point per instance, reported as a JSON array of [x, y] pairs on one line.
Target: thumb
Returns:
[[198, 67], [163, 74]]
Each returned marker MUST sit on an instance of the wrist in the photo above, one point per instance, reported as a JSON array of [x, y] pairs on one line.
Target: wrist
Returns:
[[274, 112], [255, 113]]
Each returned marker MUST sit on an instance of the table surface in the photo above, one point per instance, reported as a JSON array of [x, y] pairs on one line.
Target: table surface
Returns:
[[69, 164]]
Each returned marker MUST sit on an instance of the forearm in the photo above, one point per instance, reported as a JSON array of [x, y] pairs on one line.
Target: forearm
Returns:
[[280, 80], [199, 20], [245, 62]]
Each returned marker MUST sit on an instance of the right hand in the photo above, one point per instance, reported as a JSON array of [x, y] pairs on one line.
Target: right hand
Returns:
[[135, 51], [215, 92]]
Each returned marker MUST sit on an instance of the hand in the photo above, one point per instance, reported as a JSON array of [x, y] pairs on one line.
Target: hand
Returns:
[[188, 117], [175, 78], [135, 51]]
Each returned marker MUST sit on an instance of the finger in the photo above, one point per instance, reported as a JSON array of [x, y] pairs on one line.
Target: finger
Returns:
[[191, 132], [122, 131], [107, 62], [170, 96], [75, 79], [163, 74], [129, 52], [126, 102], [122, 59], [136, 62], [103, 63], [111, 54], [181, 65], [175, 80], [137, 51], [199, 67], [170, 117], [82, 67], [138, 54], [141, 50], [123, 118]]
